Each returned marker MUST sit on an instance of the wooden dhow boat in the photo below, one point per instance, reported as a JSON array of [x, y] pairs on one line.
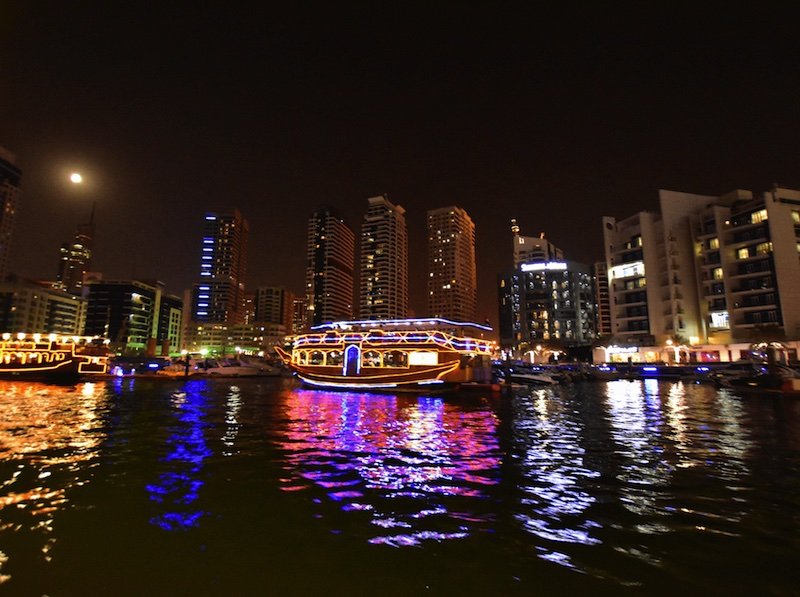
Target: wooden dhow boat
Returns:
[[51, 356], [396, 354]]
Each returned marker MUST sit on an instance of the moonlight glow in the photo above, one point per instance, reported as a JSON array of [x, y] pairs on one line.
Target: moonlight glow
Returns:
[[75, 178]]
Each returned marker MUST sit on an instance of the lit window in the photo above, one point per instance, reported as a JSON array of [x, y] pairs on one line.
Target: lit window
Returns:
[[758, 216], [713, 243], [717, 273], [743, 253]]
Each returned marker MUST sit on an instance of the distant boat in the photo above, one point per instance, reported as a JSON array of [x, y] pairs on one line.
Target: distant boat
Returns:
[[235, 368], [51, 356], [396, 354], [521, 374]]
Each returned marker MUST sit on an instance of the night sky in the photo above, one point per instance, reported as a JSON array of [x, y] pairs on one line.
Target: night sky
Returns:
[[553, 119]]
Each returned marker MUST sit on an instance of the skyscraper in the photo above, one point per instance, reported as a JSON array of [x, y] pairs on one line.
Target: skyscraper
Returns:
[[330, 258], [274, 304], [219, 295], [383, 292], [76, 258], [452, 277], [10, 191]]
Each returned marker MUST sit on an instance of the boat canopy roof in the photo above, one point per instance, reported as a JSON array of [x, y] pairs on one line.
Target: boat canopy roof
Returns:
[[425, 323]]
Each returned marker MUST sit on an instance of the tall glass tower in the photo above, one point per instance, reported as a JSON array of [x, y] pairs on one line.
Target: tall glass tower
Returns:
[[219, 295]]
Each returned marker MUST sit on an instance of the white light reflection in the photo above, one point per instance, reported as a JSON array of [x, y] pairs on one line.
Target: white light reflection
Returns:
[[232, 407], [554, 505], [636, 424]]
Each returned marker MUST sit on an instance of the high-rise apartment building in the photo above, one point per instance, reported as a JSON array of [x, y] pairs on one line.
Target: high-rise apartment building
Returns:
[[10, 191], [75, 258], [747, 252], [706, 269], [330, 258], [274, 304], [452, 276], [545, 300], [547, 303], [383, 284], [219, 295], [299, 315]]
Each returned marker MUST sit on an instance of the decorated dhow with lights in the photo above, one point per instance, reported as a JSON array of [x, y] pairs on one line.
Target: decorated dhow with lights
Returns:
[[396, 354], [51, 356]]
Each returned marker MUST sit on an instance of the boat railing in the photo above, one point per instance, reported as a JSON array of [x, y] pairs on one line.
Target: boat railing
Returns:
[[458, 344]]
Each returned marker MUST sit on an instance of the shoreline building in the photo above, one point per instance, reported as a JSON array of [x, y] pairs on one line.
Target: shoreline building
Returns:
[[330, 262], [32, 307], [10, 192], [137, 317], [706, 269], [383, 282], [75, 258], [452, 275], [546, 303], [219, 295]]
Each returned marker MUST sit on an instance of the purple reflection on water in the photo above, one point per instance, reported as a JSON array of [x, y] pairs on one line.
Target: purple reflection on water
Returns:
[[401, 460]]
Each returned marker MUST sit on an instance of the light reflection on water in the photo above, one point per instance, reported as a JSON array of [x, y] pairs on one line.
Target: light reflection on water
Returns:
[[629, 482], [401, 459], [48, 446]]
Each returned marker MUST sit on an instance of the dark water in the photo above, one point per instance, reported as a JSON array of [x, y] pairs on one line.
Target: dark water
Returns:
[[254, 487]]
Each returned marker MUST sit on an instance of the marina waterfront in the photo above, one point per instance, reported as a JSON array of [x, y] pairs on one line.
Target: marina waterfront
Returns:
[[137, 486]]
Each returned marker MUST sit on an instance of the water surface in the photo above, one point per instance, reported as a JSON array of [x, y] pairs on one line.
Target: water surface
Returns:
[[137, 486]]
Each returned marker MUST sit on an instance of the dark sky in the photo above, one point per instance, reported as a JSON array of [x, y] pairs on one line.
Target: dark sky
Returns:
[[553, 119]]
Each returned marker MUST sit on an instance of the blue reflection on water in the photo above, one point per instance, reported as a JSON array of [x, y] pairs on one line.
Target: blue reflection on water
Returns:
[[178, 488]]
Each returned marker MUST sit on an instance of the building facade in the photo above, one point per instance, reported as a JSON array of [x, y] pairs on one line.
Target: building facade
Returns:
[[601, 296], [36, 308], [136, 317], [274, 305], [383, 283], [219, 296], [546, 304], [706, 269], [330, 259], [452, 274], [10, 192]]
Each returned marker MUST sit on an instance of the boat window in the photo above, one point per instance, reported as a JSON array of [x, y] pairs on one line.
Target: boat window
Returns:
[[420, 357], [395, 358], [316, 358], [302, 357], [371, 358], [334, 357]]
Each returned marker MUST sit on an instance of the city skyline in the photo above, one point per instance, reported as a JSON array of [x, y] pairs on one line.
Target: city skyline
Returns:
[[275, 114]]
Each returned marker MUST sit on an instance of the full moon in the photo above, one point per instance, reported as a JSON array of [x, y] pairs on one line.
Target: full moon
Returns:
[[76, 178]]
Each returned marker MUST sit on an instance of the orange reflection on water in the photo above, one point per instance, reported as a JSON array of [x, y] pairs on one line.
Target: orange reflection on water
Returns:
[[403, 459], [46, 434]]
